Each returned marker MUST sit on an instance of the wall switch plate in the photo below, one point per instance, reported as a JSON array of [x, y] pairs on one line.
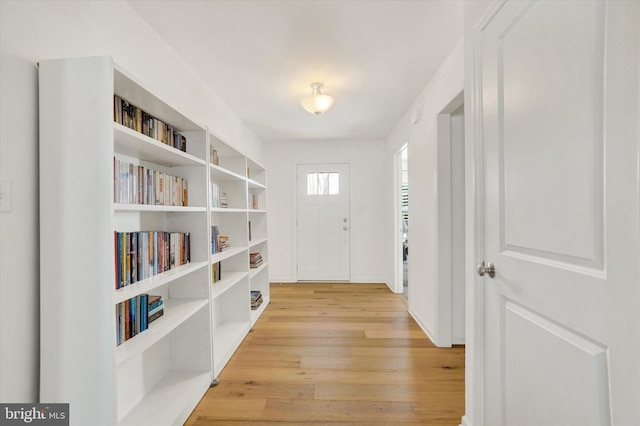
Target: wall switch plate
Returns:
[[5, 196]]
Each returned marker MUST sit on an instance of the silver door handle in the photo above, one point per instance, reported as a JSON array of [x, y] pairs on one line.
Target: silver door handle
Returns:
[[345, 227], [487, 268]]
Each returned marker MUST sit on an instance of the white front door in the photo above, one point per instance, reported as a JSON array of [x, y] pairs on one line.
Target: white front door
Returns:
[[323, 222], [561, 210]]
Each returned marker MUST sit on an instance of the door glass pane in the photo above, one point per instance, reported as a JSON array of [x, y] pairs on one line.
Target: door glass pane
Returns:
[[312, 183], [334, 183], [323, 183]]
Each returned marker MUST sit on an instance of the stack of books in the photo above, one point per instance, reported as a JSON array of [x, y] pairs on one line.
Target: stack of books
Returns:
[[223, 200], [256, 299], [155, 308], [223, 243], [255, 260]]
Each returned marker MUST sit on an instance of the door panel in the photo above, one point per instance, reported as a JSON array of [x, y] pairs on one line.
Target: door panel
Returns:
[[559, 116], [323, 222], [551, 132], [538, 352]]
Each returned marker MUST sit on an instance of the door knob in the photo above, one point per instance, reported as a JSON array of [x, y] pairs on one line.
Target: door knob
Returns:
[[487, 268], [345, 227]]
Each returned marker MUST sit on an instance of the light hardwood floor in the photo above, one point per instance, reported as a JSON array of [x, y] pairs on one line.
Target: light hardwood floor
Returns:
[[336, 354]]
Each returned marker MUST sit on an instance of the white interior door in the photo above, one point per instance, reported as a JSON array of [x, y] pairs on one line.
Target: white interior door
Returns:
[[323, 222], [560, 135]]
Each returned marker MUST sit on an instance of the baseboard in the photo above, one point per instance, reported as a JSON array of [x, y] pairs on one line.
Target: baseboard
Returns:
[[458, 340], [288, 280], [278, 280], [465, 421], [430, 334]]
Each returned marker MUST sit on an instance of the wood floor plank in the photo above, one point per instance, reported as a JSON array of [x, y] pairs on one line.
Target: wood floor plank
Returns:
[[327, 410], [336, 354]]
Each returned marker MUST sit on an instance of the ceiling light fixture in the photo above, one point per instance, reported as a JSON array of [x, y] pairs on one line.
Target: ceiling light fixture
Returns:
[[317, 103]]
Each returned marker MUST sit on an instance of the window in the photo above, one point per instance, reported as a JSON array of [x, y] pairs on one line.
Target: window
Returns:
[[323, 183]]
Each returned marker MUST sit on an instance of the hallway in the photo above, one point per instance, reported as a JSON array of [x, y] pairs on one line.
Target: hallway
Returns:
[[336, 354]]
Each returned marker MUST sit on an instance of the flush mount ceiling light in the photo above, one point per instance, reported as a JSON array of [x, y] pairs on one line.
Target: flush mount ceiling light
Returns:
[[317, 103]]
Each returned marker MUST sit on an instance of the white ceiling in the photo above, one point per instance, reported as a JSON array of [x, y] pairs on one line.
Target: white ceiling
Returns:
[[260, 57]]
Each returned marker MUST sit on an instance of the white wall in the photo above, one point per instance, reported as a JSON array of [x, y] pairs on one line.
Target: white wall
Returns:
[[371, 205], [445, 85], [35, 30]]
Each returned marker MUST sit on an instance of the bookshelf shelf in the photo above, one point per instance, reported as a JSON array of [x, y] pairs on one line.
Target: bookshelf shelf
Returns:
[[223, 174], [256, 185], [255, 242], [227, 210], [227, 338], [230, 252], [158, 375], [133, 144], [255, 271], [176, 394], [149, 284], [230, 279], [176, 311], [149, 208], [255, 314]]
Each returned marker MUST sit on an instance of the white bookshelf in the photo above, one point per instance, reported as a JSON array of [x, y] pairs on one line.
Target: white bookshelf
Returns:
[[159, 375], [258, 241], [231, 300]]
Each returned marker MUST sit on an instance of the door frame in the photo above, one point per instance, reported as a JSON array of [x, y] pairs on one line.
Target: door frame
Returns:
[[294, 205], [474, 221], [397, 220], [445, 224]]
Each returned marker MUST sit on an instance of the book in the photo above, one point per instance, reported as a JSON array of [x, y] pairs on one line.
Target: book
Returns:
[[214, 156], [216, 272], [214, 239]]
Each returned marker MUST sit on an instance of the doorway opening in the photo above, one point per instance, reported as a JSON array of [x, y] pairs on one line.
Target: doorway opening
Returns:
[[401, 210]]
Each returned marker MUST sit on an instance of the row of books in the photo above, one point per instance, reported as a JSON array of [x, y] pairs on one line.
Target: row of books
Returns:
[[219, 243], [255, 260], [134, 315], [256, 299], [218, 198], [135, 118], [140, 255], [135, 184], [216, 272]]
